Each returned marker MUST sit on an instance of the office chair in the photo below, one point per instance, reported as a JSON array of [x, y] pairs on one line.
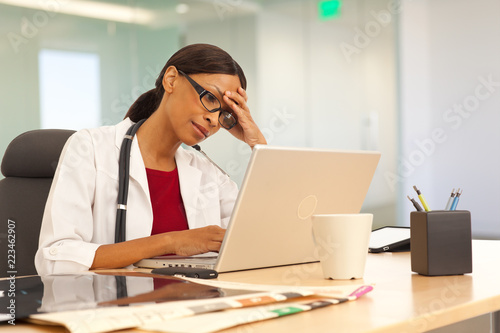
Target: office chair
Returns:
[[28, 165]]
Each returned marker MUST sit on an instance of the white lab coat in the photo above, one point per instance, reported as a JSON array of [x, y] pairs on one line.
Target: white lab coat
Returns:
[[80, 212]]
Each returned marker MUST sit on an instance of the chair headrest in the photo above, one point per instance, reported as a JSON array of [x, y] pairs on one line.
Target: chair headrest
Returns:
[[34, 154]]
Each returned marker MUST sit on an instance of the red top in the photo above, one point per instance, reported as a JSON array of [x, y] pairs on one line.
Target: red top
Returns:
[[168, 209]]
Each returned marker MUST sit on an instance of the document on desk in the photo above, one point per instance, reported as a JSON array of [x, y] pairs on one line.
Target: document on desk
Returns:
[[213, 322], [117, 318], [260, 302], [216, 321], [325, 291]]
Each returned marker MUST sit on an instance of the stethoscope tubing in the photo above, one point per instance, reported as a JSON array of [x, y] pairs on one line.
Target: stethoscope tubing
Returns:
[[123, 181]]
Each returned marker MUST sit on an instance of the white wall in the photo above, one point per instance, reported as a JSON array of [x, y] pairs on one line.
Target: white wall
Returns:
[[448, 50]]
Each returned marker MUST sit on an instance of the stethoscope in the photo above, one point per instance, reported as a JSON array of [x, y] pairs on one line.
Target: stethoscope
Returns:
[[123, 179]]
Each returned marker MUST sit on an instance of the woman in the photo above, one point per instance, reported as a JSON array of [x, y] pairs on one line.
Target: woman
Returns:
[[178, 202]]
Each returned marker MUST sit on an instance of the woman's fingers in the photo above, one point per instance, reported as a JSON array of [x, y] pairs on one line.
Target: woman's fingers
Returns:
[[199, 240], [236, 101], [243, 93], [246, 130]]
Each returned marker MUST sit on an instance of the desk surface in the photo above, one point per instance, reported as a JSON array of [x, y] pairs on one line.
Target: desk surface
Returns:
[[401, 301]]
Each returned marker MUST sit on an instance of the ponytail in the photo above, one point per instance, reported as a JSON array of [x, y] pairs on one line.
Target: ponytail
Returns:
[[145, 105]]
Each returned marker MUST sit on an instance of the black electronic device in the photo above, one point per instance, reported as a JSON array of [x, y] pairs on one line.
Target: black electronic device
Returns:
[[201, 273], [390, 239]]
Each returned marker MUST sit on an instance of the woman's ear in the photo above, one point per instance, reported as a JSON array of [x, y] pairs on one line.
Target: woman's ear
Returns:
[[169, 78]]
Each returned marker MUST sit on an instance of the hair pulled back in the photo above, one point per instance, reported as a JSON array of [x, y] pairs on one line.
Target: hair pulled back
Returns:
[[191, 59]]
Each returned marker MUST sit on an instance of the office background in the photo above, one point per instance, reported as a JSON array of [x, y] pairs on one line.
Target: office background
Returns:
[[418, 80]]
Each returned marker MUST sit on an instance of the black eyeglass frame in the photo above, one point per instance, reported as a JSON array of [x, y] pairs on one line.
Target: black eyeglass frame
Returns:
[[202, 92]]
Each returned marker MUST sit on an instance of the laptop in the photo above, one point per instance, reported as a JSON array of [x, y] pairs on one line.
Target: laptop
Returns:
[[271, 221]]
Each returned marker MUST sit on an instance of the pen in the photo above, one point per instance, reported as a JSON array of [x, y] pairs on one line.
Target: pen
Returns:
[[415, 204], [422, 199], [455, 201], [450, 200]]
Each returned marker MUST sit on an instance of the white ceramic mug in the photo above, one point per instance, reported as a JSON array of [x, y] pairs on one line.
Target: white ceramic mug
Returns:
[[342, 244]]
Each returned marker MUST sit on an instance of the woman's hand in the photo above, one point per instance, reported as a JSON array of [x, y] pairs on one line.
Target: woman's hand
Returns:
[[183, 243], [199, 240], [246, 130]]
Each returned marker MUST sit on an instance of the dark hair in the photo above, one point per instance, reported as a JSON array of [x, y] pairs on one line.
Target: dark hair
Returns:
[[191, 59]]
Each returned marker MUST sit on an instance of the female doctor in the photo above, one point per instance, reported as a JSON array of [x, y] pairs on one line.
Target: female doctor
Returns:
[[178, 201]]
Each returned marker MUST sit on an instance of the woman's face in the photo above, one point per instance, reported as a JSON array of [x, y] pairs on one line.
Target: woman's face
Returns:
[[191, 122]]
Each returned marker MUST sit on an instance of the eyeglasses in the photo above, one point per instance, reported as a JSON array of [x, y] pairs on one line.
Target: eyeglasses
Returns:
[[212, 104]]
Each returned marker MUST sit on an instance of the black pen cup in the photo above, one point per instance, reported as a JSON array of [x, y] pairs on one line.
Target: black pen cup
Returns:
[[441, 242]]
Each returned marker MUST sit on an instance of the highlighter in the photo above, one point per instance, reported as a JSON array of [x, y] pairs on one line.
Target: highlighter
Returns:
[[422, 199]]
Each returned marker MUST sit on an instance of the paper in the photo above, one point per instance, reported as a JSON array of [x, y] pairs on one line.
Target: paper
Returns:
[[260, 303], [213, 322], [326, 291]]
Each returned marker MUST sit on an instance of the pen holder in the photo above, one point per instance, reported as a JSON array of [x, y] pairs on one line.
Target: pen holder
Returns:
[[441, 242]]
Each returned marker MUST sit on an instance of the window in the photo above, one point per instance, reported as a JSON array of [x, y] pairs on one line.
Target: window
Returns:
[[69, 89]]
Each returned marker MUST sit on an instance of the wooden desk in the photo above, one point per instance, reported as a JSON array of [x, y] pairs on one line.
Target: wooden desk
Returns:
[[401, 301]]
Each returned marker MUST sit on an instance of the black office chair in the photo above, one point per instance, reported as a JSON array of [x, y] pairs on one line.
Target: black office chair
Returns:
[[28, 165]]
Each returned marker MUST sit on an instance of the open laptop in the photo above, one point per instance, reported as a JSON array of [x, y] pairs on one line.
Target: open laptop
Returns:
[[282, 188]]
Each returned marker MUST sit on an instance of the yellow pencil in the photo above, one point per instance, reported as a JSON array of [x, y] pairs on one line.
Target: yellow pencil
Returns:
[[422, 199]]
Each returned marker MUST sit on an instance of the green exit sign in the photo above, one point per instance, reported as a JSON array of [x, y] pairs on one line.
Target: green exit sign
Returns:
[[329, 9]]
